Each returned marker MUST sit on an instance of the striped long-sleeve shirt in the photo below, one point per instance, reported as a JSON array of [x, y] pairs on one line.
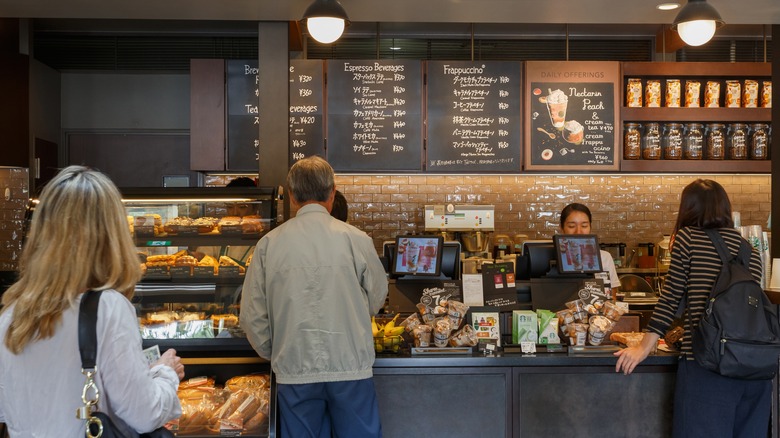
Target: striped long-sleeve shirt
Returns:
[[694, 268]]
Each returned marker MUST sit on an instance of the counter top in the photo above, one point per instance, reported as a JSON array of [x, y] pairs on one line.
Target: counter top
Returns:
[[404, 360]]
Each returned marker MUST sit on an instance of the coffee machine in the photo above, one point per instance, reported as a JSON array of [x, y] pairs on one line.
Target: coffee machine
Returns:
[[472, 225]]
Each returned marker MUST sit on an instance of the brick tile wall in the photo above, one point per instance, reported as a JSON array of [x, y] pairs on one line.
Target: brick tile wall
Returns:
[[626, 208]]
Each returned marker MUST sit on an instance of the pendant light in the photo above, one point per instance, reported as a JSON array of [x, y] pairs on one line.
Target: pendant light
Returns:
[[325, 20], [696, 22]]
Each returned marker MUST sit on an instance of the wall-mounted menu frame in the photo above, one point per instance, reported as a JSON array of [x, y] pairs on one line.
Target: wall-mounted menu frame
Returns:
[[473, 116], [243, 115], [307, 136], [374, 115], [571, 115]]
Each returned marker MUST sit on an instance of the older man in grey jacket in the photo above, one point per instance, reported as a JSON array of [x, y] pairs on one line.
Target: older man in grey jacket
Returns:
[[308, 297]]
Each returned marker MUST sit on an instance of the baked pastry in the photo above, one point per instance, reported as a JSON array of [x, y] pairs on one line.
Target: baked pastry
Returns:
[[204, 224], [208, 260], [185, 260], [227, 261], [229, 224], [249, 381], [160, 260], [227, 319], [251, 224], [674, 336], [629, 339]]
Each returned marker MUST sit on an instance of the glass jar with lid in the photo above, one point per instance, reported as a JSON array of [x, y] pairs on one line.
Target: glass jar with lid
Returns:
[[737, 142], [651, 143], [694, 141], [716, 141], [632, 141], [672, 142], [759, 141]]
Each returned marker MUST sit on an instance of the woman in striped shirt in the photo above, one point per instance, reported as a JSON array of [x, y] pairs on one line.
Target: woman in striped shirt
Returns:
[[705, 403]]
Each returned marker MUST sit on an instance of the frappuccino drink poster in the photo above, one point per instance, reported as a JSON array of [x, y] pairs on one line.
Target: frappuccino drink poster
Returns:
[[571, 116]]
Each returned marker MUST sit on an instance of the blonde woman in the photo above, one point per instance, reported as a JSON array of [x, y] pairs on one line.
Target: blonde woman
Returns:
[[78, 241]]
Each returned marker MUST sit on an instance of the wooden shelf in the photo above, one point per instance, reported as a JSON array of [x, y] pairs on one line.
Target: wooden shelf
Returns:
[[739, 70], [696, 166], [705, 115]]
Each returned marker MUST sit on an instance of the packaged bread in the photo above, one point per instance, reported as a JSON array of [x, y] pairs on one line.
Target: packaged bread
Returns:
[[629, 339], [249, 381], [228, 407], [197, 406], [196, 382]]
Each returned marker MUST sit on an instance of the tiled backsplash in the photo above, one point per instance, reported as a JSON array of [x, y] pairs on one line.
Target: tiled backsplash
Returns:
[[626, 208]]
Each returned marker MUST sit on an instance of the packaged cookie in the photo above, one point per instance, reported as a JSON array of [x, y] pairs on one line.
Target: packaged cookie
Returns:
[[692, 94], [712, 94], [422, 335], [750, 94], [634, 93], [733, 94], [653, 93], [598, 328], [766, 95], [673, 93], [578, 333]]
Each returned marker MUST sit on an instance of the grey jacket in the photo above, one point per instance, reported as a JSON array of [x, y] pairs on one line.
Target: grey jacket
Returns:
[[308, 296]]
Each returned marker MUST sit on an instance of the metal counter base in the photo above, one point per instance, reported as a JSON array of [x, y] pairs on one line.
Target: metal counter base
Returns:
[[515, 395]]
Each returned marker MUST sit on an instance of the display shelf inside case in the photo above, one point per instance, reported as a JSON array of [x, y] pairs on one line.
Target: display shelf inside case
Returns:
[[194, 246]]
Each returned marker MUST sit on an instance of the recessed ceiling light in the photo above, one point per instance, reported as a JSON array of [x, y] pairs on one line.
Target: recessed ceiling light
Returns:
[[395, 48], [668, 6]]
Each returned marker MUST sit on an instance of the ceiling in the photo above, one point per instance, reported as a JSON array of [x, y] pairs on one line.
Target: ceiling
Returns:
[[407, 12]]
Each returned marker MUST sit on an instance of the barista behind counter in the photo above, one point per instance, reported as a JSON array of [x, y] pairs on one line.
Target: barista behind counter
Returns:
[[576, 219]]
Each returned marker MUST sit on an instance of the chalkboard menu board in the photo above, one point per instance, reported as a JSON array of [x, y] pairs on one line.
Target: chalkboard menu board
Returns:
[[473, 116], [571, 113], [243, 118], [306, 109], [374, 115]]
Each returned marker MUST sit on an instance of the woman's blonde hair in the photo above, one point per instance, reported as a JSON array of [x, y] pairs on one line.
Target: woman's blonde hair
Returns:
[[79, 240]]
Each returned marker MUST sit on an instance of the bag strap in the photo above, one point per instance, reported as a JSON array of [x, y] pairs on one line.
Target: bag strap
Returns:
[[723, 251], [88, 311]]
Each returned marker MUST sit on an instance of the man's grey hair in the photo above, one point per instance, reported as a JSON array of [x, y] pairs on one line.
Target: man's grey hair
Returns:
[[311, 179]]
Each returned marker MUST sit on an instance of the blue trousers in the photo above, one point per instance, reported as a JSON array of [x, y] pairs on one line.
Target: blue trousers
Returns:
[[709, 405], [330, 409]]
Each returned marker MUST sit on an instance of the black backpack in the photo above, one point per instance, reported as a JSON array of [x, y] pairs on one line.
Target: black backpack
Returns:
[[739, 332]]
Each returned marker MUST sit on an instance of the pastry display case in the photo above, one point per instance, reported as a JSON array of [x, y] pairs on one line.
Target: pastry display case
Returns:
[[194, 245]]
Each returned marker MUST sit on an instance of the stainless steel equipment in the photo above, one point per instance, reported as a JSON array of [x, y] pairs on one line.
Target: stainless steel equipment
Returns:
[[472, 225]]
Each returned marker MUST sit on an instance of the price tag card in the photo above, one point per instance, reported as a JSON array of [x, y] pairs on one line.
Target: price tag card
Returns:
[[229, 271], [181, 271], [203, 271], [528, 347]]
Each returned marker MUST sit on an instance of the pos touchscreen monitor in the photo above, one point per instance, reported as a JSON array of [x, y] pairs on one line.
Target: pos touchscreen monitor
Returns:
[[417, 255], [577, 253]]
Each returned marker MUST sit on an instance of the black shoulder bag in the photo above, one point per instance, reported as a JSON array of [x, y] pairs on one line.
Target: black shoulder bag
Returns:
[[99, 425]]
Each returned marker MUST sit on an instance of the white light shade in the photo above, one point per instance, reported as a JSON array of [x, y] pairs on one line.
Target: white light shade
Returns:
[[696, 33], [325, 29]]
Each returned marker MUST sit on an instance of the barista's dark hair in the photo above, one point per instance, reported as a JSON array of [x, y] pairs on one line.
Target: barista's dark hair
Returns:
[[242, 181], [704, 203], [340, 208], [571, 208]]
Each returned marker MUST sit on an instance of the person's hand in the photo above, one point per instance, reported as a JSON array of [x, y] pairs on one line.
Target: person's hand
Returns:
[[170, 359], [629, 358]]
